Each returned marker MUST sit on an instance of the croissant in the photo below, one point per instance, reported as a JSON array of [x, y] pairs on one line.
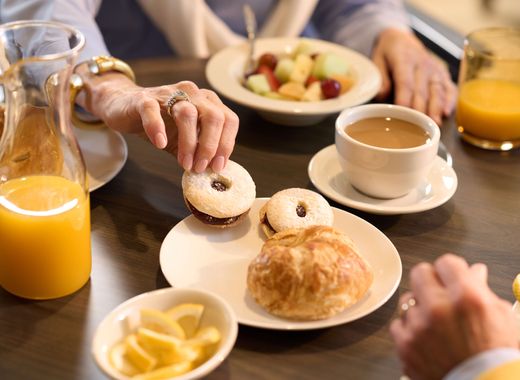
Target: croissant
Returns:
[[308, 274]]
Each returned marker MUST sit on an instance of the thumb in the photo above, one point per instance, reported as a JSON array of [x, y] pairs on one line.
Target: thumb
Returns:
[[380, 62]]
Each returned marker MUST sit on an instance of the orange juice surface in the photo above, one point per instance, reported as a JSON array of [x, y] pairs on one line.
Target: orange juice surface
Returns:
[[44, 236], [490, 109]]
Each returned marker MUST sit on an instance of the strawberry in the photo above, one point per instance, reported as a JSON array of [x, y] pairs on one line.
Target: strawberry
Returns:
[[310, 79], [269, 74]]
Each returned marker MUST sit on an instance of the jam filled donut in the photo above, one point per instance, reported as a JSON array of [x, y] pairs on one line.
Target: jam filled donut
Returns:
[[219, 199], [294, 208]]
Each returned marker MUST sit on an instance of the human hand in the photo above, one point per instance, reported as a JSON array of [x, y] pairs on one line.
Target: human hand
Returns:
[[420, 80], [456, 315], [200, 132]]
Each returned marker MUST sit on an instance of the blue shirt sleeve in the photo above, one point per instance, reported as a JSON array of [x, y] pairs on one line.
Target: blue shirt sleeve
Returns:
[[79, 13], [357, 23]]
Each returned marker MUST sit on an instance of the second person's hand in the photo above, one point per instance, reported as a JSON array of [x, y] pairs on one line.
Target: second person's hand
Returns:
[[418, 78]]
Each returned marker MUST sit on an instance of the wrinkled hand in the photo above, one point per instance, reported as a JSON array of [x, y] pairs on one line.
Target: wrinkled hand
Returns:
[[455, 317], [420, 80], [200, 133]]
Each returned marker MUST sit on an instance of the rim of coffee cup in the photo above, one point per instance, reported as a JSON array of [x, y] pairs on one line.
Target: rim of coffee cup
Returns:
[[388, 110]]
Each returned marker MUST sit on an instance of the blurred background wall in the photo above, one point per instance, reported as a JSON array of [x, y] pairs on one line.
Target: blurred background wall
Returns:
[[464, 16]]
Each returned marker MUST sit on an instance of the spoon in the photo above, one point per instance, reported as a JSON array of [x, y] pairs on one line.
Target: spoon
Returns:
[[250, 20]]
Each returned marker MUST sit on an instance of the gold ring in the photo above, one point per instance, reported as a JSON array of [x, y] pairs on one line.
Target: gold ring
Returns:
[[177, 96], [405, 306]]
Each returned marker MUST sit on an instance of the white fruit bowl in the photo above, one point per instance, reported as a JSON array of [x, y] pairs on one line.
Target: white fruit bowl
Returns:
[[225, 73], [124, 319]]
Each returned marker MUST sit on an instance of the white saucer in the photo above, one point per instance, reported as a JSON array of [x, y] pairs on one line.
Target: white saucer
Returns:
[[198, 256], [327, 176], [105, 153]]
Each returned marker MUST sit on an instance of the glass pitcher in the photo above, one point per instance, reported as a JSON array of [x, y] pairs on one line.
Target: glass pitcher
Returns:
[[44, 198]]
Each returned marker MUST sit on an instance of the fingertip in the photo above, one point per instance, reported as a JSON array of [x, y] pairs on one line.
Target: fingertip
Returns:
[[384, 90], [200, 166], [186, 161], [383, 93], [437, 119], [160, 140], [218, 164]]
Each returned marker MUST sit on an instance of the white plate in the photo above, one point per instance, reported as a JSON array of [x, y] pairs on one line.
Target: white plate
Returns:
[[105, 153], [326, 174], [225, 72], [197, 256]]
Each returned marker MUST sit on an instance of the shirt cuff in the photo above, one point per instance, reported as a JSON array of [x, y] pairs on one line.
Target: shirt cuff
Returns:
[[470, 368]]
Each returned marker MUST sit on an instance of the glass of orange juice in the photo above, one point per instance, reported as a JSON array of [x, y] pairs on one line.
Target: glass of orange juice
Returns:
[[44, 198], [488, 106]]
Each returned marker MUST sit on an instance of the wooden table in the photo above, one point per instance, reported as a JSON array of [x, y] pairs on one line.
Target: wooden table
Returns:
[[132, 214]]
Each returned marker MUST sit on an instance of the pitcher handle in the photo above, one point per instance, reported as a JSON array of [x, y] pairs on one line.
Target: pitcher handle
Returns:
[[76, 85]]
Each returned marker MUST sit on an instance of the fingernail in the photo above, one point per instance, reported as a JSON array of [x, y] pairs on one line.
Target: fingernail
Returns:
[[218, 163], [187, 162], [201, 165], [160, 141]]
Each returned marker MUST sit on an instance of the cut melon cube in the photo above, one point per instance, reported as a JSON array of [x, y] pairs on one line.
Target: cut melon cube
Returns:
[[258, 84], [302, 68], [292, 90], [313, 93], [304, 47], [273, 95], [283, 69], [328, 64]]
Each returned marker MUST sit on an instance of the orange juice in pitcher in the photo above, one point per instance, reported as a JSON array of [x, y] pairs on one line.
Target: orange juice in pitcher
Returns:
[[44, 235], [44, 199]]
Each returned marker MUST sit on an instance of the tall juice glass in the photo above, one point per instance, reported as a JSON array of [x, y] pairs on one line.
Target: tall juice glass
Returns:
[[44, 199], [488, 108]]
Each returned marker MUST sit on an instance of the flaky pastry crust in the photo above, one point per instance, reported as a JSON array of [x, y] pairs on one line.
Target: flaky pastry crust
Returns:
[[308, 274]]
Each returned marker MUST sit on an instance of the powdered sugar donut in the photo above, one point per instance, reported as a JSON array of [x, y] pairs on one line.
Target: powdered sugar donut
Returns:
[[219, 199], [295, 208]]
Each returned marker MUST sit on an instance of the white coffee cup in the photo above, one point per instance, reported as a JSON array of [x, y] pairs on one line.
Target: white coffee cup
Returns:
[[385, 172]]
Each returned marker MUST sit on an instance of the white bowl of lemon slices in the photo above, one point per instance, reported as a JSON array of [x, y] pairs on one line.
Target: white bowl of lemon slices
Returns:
[[166, 333]]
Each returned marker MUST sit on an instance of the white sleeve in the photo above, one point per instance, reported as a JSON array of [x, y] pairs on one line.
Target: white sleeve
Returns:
[[77, 13], [474, 366], [357, 23]]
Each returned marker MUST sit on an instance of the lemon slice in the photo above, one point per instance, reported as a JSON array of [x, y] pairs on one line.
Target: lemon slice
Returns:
[[166, 372], [188, 316], [206, 336], [516, 287], [119, 360], [138, 356], [154, 341], [191, 352], [160, 322]]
